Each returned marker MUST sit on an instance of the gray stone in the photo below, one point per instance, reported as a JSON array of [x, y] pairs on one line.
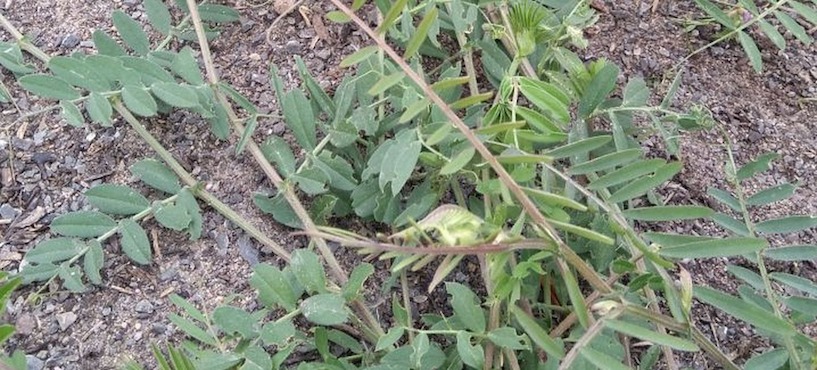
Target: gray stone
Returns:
[[247, 250], [106, 310], [25, 324], [66, 319], [222, 243], [21, 144], [169, 274], [34, 363], [144, 306], [158, 328], [69, 41], [7, 212], [323, 53], [293, 46]]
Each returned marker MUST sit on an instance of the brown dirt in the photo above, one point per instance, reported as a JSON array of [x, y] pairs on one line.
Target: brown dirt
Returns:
[[119, 320]]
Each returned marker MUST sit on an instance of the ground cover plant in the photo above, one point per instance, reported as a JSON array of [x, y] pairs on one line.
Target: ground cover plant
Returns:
[[465, 130]]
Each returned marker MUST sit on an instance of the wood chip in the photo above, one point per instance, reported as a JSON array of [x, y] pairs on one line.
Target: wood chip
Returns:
[[31, 218]]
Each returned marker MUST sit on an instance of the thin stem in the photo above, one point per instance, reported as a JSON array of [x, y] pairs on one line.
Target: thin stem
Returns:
[[585, 270]]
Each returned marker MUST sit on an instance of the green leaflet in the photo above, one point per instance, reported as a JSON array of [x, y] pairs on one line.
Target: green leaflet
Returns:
[[177, 95], [131, 32], [158, 15], [83, 224], [667, 213], [421, 33], [116, 199], [751, 50], [738, 308], [48, 86], [135, 242], [157, 175], [600, 86], [716, 248], [139, 101]]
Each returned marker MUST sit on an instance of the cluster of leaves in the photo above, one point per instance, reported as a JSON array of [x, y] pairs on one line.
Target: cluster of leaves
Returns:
[[146, 81], [235, 338], [83, 233], [792, 16]]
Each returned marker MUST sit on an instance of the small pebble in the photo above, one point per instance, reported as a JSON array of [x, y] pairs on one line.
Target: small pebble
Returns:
[[66, 319], [69, 41], [144, 306], [293, 46], [34, 363], [158, 328], [248, 251], [7, 212], [25, 324]]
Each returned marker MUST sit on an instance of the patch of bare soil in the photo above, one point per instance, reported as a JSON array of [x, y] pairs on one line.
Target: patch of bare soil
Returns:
[[45, 166]]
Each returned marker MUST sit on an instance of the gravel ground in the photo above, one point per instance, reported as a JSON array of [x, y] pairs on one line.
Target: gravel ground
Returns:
[[45, 166]]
